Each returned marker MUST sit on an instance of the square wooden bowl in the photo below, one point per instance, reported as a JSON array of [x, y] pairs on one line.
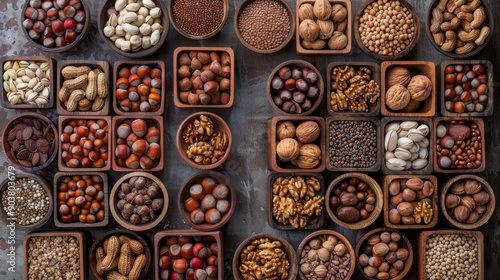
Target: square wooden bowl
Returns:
[[326, 51], [80, 236], [386, 181], [488, 106], [270, 217], [272, 142], [57, 217], [340, 117], [428, 109], [374, 108], [118, 65], [5, 102], [101, 65]]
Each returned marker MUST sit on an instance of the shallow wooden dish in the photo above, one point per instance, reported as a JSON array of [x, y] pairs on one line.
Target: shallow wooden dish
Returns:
[[386, 181], [341, 117], [488, 108], [326, 51], [397, 56], [373, 215], [219, 124], [118, 65], [197, 178], [272, 158], [490, 206], [286, 247], [240, 9], [177, 101], [101, 65], [428, 108], [300, 64], [320, 220], [4, 187]]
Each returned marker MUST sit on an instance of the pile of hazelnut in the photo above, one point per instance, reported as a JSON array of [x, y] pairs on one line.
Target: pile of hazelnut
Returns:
[[353, 200], [405, 90], [298, 144], [466, 88], [466, 201], [411, 201]]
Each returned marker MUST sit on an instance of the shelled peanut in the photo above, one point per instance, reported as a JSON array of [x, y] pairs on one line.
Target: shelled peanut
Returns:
[[83, 88], [26, 82], [139, 88], [411, 201], [208, 201]]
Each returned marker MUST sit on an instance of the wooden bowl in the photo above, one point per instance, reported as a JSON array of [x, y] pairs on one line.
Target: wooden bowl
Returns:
[[315, 222], [177, 100], [429, 167], [99, 242], [488, 106], [219, 124], [404, 242], [82, 249], [115, 212], [428, 108], [198, 37], [422, 249], [286, 247], [7, 148], [207, 238], [58, 177], [326, 51], [103, 18], [340, 237], [118, 65], [6, 186], [272, 157], [386, 181], [5, 102], [197, 178], [373, 215], [300, 64], [490, 206], [285, 42], [101, 65], [480, 123]]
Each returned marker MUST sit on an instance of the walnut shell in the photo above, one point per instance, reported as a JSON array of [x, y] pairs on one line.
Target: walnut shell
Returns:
[[412, 106], [309, 30], [305, 12], [339, 13], [397, 75], [326, 29], [338, 41], [307, 132], [322, 9], [397, 97], [288, 149], [420, 87], [309, 156], [285, 129]]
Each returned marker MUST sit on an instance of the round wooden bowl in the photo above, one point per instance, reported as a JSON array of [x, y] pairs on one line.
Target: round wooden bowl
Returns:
[[286, 247], [219, 124], [305, 242], [300, 64], [99, 242], [373, 215], [490, 208], [197, 178], [6, 146], [4, 187], [103, 18], [357, 36], [115, 212], [79, 39], [291, 15]]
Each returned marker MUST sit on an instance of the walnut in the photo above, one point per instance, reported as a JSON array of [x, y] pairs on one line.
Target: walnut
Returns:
[[339, 13], [305, 12], [326, 29], [338, 41], [338, 101], [285, 129], [420, 87], [309, 156], [309, 30], [397, 75], [307, 132], [397, 97], [322, 9], [288, 149], [423, 211], [412, 106]]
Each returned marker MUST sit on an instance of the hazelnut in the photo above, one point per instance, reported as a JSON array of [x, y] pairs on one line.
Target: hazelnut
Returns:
[[452, 201], [349, 214], [409, 194], [461, 213], [481, 198], [472, 187], [402, 254], [221, 191], [380, 249], [394, 187], [324, 254], [394, 216], [349, 199], [340, 249], [208, 202]]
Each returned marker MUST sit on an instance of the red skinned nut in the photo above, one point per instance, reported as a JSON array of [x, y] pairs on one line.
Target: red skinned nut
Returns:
[[197, 263]]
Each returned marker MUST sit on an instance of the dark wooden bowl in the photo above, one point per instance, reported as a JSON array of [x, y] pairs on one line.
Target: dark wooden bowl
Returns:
[[397, 56], [272, 158], [5, 102], [300, 64], [373, 215], [177, 101], [428, 108], [320, 220], [386, 181], [99, 242], [118, 65], [490, 206], [219, 124], [115, 212], [5, 187], [101, 65], [7, 149], [286, 247], [101, 23], [240, 9], [198, 37], [488, 107]]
